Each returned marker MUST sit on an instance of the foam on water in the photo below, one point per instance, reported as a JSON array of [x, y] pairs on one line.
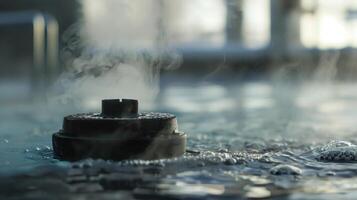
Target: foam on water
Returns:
[[337, 151], [197, 174]]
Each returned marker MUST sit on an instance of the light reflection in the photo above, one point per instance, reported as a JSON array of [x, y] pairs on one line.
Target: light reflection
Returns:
[[257, 96], [328, 109], [257, 192], [332, 186], [332, 106], [257, 180], [200, 92], [325, 24], [256, 22], [215, 98], [257, 89], [253, 103], [182, 188], [208, 98], [313, 94]]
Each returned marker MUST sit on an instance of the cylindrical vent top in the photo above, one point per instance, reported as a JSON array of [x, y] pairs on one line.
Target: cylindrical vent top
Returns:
[[119, 108]]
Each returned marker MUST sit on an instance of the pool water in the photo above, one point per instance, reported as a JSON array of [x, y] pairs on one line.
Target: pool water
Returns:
[[250, 140]]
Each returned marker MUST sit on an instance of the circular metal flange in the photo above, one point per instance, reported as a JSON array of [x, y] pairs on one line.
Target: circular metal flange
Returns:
[[94, 125], [147, 148], [119, 133]]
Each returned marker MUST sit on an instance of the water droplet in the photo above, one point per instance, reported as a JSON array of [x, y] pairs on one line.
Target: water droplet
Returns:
[[285, 170]]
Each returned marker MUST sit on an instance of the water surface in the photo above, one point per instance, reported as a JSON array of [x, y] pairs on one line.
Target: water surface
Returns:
[[251, 140]]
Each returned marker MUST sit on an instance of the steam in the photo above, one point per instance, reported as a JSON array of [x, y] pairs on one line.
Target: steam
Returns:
[[116, 51], [327, 68]]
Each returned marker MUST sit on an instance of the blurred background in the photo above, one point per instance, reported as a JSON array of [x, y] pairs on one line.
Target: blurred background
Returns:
[[215, 40], [255, 84]]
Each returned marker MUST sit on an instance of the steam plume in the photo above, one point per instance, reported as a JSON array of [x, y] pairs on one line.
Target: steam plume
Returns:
[[116, 54]]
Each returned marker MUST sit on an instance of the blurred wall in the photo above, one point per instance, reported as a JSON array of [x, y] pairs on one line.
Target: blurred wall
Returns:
[[16, 49]]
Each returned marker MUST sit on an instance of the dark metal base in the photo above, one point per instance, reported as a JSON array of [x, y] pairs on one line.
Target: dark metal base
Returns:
[[146, 148]]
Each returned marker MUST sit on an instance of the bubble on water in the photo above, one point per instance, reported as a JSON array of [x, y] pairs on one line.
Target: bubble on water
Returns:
[[285, 170], [335, 144], [339, 154], [230, 161], [337, 151], [6, 141], [223, 150]]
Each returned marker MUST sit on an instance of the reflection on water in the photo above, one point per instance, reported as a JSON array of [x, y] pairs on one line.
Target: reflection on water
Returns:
[[256, 96], [254, 140], [206, 98]]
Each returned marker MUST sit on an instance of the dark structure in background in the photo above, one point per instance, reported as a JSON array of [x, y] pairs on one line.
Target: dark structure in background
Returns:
[[30, 38], [21, 59], [283, 51]]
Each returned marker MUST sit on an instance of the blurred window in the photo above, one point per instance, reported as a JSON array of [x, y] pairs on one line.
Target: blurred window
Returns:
[[329, 23], [178, 23], [256, 22]]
